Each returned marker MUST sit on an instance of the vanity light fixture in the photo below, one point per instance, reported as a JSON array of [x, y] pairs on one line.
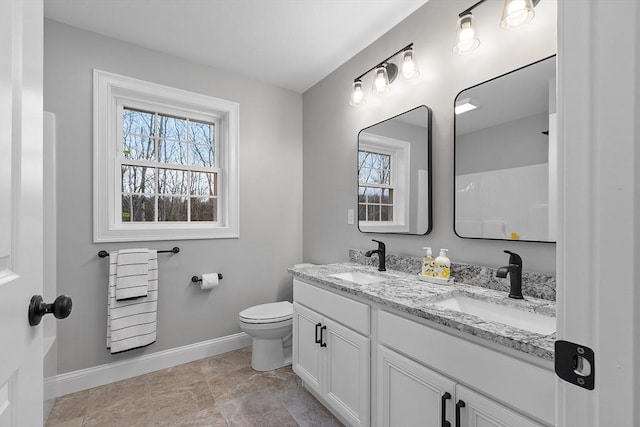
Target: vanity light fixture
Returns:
[[514, 14], [385, 73], [465, 105]]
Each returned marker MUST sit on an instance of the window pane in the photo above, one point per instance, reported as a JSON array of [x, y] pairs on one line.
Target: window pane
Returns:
[[172, 208], [137, 122], [387, 196], [362, 212], [373, 213], [126, 208], [172, 181], [362, 194], [137, 179], [201, 155], [138, 147], [202, 133], [204, 209], [203, 184], [374, 195], [172, 152], [172, 128], [386, 213], [143, 208]]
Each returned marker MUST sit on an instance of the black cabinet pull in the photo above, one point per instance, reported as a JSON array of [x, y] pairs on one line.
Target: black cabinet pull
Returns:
[[322, 343], [459, 405], [318, 336], [445, 396]]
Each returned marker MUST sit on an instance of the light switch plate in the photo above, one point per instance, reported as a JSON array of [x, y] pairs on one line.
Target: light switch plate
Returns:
[[350, 216]]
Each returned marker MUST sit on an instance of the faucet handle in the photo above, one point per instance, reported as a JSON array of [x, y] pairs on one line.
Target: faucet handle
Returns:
[[514, 258]]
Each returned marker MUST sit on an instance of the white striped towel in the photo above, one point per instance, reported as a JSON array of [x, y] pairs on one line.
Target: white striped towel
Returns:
[[132, 323], [132, 273]]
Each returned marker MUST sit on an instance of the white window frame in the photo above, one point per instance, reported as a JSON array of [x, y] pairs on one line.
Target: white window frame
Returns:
[[400, 152], [110, 93]]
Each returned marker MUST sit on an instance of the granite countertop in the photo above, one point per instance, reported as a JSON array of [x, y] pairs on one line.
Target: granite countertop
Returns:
[[406, 293]]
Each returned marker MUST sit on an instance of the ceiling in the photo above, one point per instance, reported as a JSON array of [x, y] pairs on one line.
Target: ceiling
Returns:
[[288, 43]]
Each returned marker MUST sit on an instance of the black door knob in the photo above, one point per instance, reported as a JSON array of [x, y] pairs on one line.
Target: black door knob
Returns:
[[61, 308]]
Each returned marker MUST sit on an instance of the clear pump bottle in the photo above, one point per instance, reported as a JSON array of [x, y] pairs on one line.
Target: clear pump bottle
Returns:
[[427, 262]]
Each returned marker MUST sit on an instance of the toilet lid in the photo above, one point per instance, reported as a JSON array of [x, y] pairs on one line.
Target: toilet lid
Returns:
[[268, 313]]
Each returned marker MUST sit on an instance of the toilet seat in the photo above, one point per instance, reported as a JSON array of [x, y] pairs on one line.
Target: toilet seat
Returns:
[[268, 313]]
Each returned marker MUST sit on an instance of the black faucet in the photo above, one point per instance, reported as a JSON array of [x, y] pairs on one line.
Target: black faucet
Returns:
[[382, 253], [515, 274]]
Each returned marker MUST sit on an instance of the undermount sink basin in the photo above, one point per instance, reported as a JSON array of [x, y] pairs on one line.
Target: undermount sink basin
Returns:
[[358, 277], [510, 316]]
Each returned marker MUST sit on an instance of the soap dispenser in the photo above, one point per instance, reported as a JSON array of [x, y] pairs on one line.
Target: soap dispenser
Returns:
[[427, 262], [441, 265]]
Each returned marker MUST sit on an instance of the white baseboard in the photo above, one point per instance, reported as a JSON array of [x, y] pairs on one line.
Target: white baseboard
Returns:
[[83, 379]]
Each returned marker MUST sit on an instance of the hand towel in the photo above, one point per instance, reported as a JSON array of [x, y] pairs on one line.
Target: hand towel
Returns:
[[132, 273], [132, 323]]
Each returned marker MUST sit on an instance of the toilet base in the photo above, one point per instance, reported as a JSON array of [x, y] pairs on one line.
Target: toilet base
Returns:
[[269, 354]]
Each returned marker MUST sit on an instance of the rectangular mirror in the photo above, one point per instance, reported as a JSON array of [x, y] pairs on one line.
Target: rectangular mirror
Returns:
[[394, 174], [505, 156]]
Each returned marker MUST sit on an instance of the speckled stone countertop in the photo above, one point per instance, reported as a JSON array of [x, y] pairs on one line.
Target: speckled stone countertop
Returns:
[[406, 293]]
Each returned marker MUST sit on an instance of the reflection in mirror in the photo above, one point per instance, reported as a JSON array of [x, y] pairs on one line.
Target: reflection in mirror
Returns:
[[394, 174], [505, 156]]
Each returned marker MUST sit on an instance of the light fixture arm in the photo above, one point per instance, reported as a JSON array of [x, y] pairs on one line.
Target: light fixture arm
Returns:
[[380, 64]]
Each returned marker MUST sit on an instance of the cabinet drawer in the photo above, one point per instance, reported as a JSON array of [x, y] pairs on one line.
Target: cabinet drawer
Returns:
[[352, 313], [521, 385]]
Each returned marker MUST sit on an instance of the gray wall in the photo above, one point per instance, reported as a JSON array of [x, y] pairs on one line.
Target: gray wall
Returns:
[[496, 148], [331, 126], [254, 266]]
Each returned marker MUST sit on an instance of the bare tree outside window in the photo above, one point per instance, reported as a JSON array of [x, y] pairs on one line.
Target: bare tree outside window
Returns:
[[169, 171], [375, 190]]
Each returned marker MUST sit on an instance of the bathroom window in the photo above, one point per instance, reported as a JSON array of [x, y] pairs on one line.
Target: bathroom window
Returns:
[[375, 192], [165, 162], [383, 184]]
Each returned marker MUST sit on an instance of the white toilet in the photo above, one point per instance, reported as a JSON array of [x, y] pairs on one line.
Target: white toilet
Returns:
[[270, 326]]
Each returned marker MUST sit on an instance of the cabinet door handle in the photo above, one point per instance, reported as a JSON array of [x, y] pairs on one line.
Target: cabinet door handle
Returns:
[[459, 405], [445, 396], [322, 343], [318, 335]]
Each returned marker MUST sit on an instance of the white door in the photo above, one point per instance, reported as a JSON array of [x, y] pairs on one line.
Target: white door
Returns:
[[21, 53], [599, 231], [410, 394], [346, 382]]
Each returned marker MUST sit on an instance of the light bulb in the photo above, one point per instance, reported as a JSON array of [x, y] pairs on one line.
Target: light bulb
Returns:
[[381, 80], [466, 35], [516, 13], [409, 69], [357, 96]]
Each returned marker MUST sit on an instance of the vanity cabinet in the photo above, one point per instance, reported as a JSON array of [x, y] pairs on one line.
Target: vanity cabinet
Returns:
[[410, 394], [427, 362], [332, 359]]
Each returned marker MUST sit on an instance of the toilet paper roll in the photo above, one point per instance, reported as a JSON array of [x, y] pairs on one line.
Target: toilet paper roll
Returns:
[[209, 281]]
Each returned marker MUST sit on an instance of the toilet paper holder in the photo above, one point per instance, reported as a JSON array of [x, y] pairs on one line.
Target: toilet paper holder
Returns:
[[196, 279]]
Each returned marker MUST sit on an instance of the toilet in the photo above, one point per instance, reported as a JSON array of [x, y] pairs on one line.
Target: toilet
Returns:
[[271, 327]]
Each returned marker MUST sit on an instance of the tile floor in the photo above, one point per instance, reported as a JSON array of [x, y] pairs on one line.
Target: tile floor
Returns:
[[219, 391]]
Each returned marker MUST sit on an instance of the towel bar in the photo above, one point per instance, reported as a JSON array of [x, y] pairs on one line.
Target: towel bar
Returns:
[[174, 250], [196, 279]]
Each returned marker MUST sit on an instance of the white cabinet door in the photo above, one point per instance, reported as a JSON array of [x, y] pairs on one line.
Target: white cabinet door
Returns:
[[346, 381], [410, 394], [475, 410], [306, 359]]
